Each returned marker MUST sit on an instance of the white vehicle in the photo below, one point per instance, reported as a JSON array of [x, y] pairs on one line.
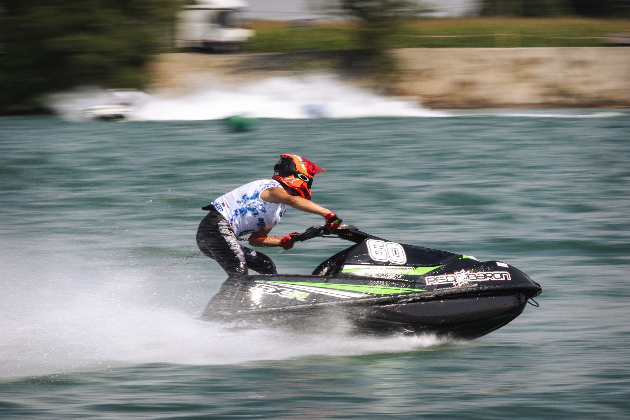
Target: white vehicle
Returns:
[[213, 25], [107, 113], [118, 106]]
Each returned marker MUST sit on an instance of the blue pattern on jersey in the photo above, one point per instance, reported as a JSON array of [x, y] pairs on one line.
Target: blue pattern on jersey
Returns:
[[251, 204]]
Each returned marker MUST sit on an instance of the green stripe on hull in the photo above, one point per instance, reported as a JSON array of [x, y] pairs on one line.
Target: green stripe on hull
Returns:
[[358, 288]]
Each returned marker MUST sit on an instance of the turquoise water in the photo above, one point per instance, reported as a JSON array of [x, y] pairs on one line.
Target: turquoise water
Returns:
[[90, 211]]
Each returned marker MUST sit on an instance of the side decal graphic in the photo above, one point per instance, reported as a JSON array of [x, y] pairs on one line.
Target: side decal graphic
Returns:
[[464, 277], [270, 289], [343, 290]]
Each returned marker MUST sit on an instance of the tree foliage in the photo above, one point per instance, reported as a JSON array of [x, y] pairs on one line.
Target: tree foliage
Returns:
[[591, 8], [601, 8], [53, 45], [377, 20]]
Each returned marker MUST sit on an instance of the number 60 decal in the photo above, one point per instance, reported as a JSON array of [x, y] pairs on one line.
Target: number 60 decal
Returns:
[[386, 251]]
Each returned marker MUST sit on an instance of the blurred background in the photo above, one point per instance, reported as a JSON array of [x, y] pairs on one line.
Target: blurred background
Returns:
[[173, 46]]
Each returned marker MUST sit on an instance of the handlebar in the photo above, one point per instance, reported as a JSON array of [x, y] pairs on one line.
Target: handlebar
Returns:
[[345, 232], [321, 231]]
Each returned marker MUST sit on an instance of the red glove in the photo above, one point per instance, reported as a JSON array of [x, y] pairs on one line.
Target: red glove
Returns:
[[332, 222], [286, 242]]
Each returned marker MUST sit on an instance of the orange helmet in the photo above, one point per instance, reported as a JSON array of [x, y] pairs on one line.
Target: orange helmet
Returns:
[[297, 173]]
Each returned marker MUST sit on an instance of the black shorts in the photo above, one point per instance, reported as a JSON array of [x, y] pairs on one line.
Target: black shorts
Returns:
[[216, 239]]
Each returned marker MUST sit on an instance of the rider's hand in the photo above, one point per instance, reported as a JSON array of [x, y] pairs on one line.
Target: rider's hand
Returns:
[[332, 222], [286, 242]]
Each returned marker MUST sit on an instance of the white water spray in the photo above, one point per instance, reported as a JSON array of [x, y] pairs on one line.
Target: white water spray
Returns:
[[282, 98], [62, 314]]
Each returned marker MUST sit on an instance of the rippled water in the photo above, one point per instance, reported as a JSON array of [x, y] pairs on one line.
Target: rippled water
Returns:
[[90, 211]]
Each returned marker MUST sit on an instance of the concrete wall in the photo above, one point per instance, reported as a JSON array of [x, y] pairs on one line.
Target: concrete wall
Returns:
[[466, 78], [516, 77]]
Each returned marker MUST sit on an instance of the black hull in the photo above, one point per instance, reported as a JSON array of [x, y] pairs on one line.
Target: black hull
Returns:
[[462, 318], [458, 317]]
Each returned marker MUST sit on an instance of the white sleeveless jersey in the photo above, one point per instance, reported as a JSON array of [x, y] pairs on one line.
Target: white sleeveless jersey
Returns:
[[246, 212]]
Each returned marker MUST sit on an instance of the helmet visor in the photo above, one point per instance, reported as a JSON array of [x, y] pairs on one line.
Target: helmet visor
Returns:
[[308, 180], [296, 183]]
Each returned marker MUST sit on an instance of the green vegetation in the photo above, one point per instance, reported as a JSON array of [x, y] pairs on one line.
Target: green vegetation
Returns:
[[54, 45], [486, 32]]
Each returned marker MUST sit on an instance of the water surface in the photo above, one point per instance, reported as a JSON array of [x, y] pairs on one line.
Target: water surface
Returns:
[[90, 212]]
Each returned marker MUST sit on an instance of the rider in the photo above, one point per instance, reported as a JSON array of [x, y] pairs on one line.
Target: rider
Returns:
[[254, 209]]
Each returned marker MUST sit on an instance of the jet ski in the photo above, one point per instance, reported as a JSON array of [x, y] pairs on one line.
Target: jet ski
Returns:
[[119, 106], [107, 112], [378, 286]]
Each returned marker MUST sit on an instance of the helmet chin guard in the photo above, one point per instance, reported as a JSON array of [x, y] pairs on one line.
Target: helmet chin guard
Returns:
[[297, 173]]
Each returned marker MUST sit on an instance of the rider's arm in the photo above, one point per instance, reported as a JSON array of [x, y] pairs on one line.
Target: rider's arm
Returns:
[[280, 196], [262, 238]]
